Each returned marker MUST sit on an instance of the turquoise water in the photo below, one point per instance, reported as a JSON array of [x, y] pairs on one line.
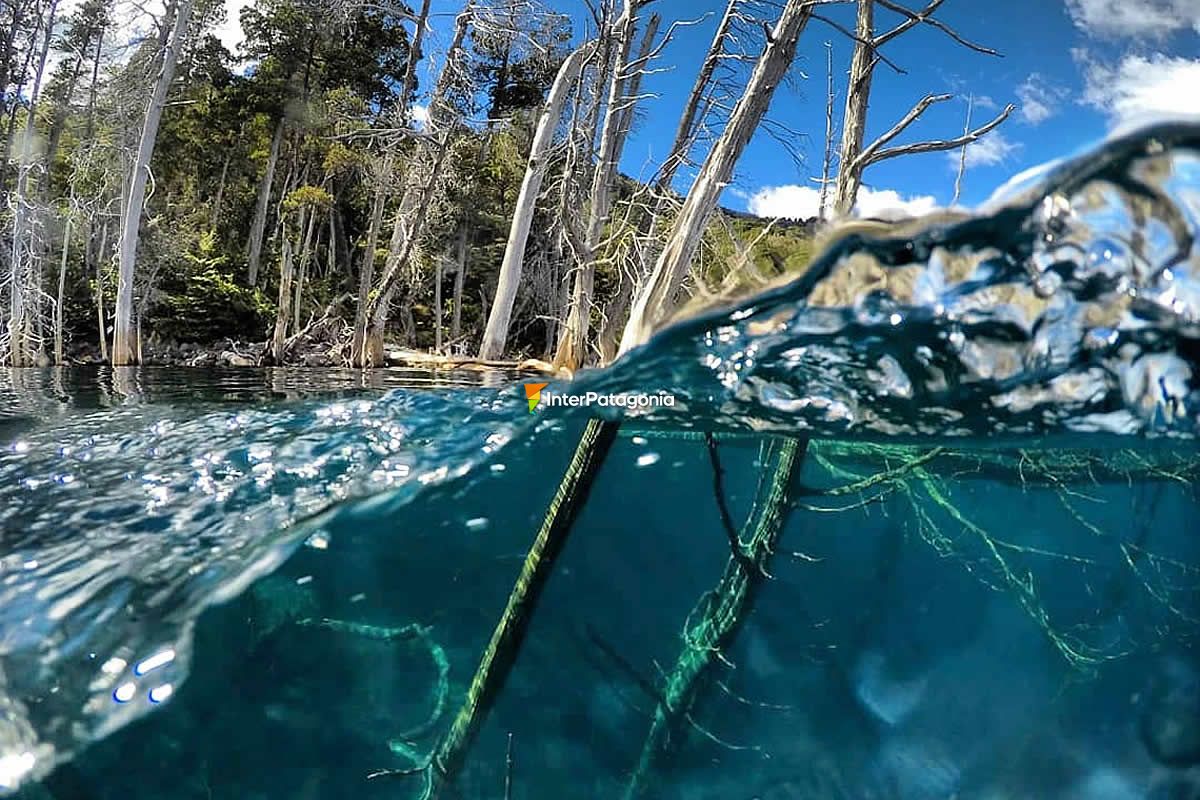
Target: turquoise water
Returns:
[[984, 583]]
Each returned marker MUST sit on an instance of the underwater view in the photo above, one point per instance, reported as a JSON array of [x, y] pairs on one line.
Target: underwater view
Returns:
[[939, 542]]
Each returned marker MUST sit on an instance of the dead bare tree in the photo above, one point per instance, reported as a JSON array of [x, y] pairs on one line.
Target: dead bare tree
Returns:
[[383, 183], [572, 347], [658, 296], [855, 158], [27, 246], [496, 334], [123, 351], [827, 157], [420, 186]]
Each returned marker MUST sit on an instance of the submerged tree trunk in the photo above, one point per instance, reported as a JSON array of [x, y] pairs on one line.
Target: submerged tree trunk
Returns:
[[509, 634], [495, 337], [259, 225], [657, 298], [711, 629], [123, 353]]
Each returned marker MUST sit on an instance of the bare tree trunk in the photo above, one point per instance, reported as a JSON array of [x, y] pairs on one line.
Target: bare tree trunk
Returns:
[[657, 298], [26, 251], [366, 272], [418, 196], [122, 354], [287, 270], [827, 159], [259, 226], [607, 340], [684, 134], [460, 277], [572, 346], [437, 304], [858, 97], [59, 358], [495, 336], [855, 158], [306, 250], [100, 316]]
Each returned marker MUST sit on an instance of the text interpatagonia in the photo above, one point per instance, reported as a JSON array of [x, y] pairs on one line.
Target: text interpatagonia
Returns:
[[625, 400]]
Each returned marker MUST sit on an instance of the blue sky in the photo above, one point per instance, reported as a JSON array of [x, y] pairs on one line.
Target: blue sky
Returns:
[[1074, 69]]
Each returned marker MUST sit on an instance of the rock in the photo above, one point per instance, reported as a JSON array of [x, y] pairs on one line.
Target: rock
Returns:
[[229, 358]]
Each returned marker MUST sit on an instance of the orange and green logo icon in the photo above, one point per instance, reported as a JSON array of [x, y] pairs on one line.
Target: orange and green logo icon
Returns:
[[533, 392]]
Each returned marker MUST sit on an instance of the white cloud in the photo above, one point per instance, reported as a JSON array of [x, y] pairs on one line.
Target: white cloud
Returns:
[[1135, 19], [230, 31], [1040, 99], [420, 114], [802, 202], [994, 148], [1141, 87]]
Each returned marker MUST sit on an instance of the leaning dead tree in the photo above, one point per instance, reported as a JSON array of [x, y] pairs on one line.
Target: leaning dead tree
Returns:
[[855, 157], [124, 350], [656, 299], [500, 318]]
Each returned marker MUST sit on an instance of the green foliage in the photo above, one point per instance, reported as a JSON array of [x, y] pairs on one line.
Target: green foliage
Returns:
[[206, 303]]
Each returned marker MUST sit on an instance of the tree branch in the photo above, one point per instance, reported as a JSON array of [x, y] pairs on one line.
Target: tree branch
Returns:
[[872, 44], [926, 16], [940, 145], [912, 21], [867, 156]]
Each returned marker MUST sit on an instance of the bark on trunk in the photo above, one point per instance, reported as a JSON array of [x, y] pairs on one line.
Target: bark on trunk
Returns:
[[657, 298], [123, 353], [858, 96], [827, 157], [259, 226], [495, 337]]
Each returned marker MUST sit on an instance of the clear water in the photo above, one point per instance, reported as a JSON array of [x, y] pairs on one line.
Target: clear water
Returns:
[[987, 583]]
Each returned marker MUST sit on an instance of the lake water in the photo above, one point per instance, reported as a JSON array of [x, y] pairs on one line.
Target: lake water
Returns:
[[964, 487]]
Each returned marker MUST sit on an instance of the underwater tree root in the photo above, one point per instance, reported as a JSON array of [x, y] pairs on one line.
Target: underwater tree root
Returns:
[[714, 622], [441, 768]]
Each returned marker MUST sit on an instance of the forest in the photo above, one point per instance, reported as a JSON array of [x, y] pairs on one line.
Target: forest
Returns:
[[311, 200]]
